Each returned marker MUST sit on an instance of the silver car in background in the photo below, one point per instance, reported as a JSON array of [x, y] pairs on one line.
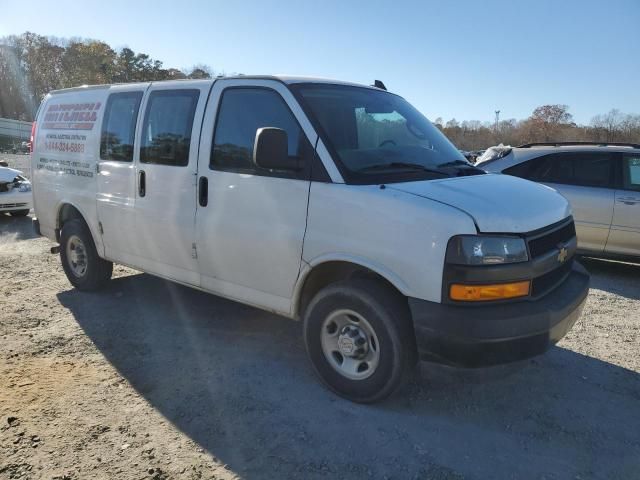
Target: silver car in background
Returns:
[[601, 181]]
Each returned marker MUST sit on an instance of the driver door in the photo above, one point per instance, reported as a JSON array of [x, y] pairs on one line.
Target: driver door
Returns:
[[251, 221]]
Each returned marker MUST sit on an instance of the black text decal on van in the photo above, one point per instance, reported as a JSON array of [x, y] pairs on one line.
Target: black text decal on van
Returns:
[[65, 167]]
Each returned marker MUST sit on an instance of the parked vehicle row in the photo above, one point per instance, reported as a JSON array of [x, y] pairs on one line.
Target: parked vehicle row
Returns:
[[335, 203], [17, 148]]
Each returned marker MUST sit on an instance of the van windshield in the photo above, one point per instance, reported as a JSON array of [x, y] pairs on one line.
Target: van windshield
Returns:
[[379, 137]]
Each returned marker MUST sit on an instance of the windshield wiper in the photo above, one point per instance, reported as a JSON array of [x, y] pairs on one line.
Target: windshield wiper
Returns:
[[402, 165], [464, 168], [455, 162]]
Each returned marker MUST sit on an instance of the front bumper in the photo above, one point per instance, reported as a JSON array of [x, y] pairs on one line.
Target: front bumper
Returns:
[[481, 335], [13, 201]]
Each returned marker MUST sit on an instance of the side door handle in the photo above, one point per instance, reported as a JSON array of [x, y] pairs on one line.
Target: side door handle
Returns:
[[203, 191], [142, 183]]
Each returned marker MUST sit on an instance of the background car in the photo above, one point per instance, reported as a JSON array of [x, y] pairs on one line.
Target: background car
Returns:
[[15, 192], [601, 181]]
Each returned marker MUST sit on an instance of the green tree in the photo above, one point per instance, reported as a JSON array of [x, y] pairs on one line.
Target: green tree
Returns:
[[88, 63]]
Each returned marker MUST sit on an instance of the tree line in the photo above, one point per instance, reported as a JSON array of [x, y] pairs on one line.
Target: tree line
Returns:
[[547, 123], [31, 65]]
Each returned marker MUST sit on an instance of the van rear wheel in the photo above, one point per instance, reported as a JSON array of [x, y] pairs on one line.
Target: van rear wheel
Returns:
[[360, 340], [80, 260]]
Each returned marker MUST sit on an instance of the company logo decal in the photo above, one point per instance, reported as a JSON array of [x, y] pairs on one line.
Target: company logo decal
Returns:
[[71, 116]]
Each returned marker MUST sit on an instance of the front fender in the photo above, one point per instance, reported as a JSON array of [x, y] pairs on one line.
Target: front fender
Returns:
[[400, 236]]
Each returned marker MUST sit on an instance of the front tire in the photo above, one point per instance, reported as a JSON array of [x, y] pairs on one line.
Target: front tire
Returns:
[[360, 339], [80, 260], [19, 213]]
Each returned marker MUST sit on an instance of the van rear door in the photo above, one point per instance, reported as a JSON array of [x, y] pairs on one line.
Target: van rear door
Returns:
[[166, 167]]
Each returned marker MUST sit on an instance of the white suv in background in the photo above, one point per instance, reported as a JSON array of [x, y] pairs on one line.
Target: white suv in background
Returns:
[[601, 181]]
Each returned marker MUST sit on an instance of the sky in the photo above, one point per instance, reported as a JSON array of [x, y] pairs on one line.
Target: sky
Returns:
[[460, 59]]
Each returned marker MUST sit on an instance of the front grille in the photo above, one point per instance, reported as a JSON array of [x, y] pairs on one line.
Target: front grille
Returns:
[[544, 243], [12, 205], [544, 283], [547, 242], [4, 186]]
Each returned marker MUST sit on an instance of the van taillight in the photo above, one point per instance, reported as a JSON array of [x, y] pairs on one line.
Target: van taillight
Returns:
[[33, 137]]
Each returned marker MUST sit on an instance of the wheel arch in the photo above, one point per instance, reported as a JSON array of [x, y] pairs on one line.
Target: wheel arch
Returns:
[[66, 211], [327, 270]]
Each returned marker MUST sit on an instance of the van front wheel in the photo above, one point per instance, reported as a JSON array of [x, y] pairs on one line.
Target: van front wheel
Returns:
[[359, 338], [80, 260]]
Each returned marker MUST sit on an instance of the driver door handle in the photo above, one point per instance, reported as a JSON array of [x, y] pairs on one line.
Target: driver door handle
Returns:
[[142, 183]]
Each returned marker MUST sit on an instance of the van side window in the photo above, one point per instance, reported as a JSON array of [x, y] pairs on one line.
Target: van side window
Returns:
[[119, 126], [632, 172], [241, 113], [168, 122]]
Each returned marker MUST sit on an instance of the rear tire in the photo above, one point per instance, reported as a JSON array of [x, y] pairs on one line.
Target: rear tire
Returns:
[[19, 213], [360, 339], [80, 260]]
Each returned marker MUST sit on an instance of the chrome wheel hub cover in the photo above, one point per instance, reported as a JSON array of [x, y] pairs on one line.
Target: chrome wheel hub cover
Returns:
[[350, 344]]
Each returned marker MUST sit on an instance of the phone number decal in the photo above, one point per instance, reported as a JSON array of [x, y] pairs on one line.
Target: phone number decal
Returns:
[[64, 147]]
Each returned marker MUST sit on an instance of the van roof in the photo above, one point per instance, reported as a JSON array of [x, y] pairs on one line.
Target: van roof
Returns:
[[288, 79]]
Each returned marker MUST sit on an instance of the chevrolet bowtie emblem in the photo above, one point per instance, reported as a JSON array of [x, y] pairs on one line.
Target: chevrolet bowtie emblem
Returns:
[[562, 255]]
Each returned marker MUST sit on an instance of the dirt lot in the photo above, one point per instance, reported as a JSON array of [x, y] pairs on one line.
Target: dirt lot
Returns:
[[149, 380]]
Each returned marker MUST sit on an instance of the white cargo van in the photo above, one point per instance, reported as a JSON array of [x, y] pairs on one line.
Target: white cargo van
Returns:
[[334, 203]]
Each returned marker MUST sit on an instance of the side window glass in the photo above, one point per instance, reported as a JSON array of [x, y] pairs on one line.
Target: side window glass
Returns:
[[554, 168], [522, 170], [632, 172], [592, 169], [166, 131], [119, 126], [241, 113]]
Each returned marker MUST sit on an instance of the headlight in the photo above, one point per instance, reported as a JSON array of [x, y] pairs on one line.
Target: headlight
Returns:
[[486, 250], [24, 187]]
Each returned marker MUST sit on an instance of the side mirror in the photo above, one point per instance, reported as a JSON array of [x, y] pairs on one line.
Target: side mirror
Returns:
[[271, 150]]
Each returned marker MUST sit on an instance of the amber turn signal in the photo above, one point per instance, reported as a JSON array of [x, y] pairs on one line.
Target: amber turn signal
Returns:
[[480, 293]]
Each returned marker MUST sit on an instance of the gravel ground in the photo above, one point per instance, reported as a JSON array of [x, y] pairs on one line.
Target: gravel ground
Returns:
[[150, 380]]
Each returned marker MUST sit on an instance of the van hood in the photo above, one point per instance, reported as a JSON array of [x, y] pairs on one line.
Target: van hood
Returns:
[[8, 174], [497, 203]]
